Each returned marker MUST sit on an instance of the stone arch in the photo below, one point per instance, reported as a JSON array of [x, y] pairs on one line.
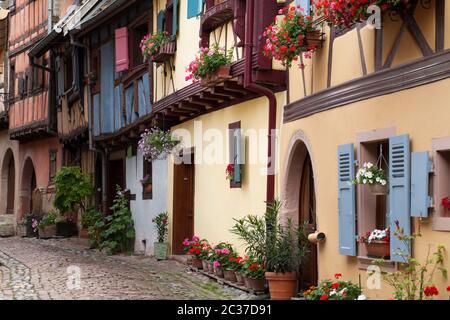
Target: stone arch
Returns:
[[27, 187], [8, 183], [298, 196]]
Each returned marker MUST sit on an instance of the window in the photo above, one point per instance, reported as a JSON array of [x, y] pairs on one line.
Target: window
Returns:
[[12, 82], [94, 77], [235, 154], [137, 33], [441, 155], [147, 180], [68, 72], [52, 171]]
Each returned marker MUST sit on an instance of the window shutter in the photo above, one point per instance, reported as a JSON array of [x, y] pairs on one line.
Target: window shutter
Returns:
[[195, 8], [237, 155], [347, 198], [420, 172], [305, 4], [161, 17], [175, 19], [399, 192], [122, 57], [20, 86], [60, 77]]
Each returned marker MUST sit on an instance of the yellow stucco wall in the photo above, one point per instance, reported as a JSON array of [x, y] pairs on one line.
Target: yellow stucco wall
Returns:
[[418, 112], [215, 203]]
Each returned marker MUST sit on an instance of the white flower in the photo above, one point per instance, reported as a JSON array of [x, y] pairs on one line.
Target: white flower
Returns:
[[362, 297], [377, 179], [365, 181], [369, 165], [371, 181], [333, 292], [369, 175], [383, 182]]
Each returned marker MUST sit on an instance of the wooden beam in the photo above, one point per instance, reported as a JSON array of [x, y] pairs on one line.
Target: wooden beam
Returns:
[[199, 101], [190, 106], [234, 86], [226, 93], [440, 25], [181, 112], [210, 96]]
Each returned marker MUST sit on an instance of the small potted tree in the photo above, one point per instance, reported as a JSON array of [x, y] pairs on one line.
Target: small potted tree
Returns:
[[287, 247], [161, 247], [47, 226]]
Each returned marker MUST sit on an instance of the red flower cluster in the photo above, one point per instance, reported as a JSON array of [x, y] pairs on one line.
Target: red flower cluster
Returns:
[[287, 39], [446, 202], [338, 275], [230, 172], [324, 297], [344, 13], [431, 291], [253, 266]]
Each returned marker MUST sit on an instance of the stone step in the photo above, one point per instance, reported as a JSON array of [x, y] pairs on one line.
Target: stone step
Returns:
[[6, 230], [6, 218]]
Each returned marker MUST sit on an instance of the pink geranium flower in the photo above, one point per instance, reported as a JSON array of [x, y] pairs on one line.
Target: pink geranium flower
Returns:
[[216, 264]]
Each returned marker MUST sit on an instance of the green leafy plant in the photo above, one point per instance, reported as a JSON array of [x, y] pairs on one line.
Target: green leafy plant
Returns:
[[151, 43], [252, 231], [287, 245], [48, 220], [157, 144], [208, 61], [73, 187], [334, 290], [90, 218], [252, 268], [414, 281], [161, 224], [115, 231]]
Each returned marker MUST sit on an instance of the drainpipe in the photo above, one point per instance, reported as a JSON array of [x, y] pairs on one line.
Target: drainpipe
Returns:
[[250, 85], [50, 16]]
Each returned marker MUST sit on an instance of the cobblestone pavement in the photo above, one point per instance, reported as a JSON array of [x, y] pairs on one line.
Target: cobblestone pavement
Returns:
[[46, 269]]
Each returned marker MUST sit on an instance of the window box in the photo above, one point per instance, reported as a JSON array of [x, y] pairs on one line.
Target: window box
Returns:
[[378, 249], [220, 75], [166, 52]]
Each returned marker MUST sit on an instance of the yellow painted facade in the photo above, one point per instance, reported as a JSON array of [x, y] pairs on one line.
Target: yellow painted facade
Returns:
[[422, 112]]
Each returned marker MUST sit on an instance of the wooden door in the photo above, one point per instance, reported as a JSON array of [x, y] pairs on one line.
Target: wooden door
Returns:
[[307, 213], [11, 187], [116, 178], [183, 204]]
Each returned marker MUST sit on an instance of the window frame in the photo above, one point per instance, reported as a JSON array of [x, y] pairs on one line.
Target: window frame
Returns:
[[440, 146], [147, 168], [52, 152], [231, 151]]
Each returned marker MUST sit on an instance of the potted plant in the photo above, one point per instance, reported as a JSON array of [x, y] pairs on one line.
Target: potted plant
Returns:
[[155, 47], [161, 247], [377, 243], [446, 204], [147, 183], [232, 265], [236, 264], [255, 274], [334, 290], [229, 172], [31, 225], [156, 144], [292, 35], [66, 226], [47, 226], [211, 66], [222, 252], [374, 177], [193, 248], [287, 247], [205, 255]]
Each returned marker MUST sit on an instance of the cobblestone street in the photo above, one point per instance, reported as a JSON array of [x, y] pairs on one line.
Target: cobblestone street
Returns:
[[43, 269]]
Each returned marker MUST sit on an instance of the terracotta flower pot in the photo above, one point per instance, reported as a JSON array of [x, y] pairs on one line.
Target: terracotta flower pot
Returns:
[[218, 76], [197, 263], [240, 278], [83, 233], [211, 267], [378, 249], [282, 286], [148, 188], [247, 282], [205, 264], [257, 284], [378, 189], [47, 232], [218, 272], [230, 275]]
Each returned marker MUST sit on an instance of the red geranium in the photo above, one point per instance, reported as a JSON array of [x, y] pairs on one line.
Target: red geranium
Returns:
[[431, 291], [446, 202], [324, 297], [338, 275], [335, 286]]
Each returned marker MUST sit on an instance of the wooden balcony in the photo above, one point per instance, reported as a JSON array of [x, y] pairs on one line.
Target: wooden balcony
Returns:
[[195, 100]]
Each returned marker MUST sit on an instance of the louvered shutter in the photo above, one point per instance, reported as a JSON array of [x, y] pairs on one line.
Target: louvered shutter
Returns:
[[121, 43], [399, 193], [160, 22], [420, 173], [346, 200], [20, 86], [175, 18], [305, 4], [195, 8]]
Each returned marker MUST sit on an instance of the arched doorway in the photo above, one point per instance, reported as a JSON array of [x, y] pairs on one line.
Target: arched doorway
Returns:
[[8, 180], [299, 201], [28, 185]]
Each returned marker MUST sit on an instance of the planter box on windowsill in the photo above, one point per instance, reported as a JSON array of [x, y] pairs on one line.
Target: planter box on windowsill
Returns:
[[313, 39], [220, 75], [166, 51]]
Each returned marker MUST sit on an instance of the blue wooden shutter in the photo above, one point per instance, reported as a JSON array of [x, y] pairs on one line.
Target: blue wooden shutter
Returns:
[[195, 8], [420, 170], [161, 17], [175, 19], [237, 155], [347, 197], [399, 193], [305, 4]]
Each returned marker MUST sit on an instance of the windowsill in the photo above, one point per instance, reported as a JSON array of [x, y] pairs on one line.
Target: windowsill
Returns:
[[387, 266], [441, 223], [147, 196]]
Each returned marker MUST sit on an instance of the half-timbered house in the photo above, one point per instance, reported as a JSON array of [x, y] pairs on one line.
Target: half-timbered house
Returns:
[[379, 96]]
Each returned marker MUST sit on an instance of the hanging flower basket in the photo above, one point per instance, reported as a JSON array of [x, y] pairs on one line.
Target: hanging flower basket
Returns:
[[378, 189], [219, 76], [374, 177], [156, 144]]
